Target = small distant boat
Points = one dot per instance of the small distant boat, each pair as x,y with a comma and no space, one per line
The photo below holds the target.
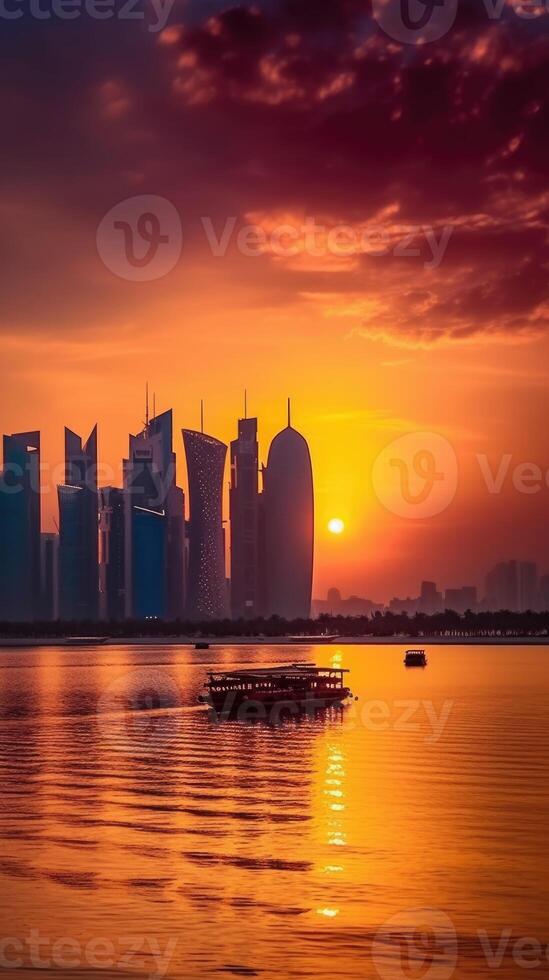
314,638
293,684
202,645
84,641
415,658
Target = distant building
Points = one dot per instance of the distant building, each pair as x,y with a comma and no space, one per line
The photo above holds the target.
544,593
243,505
288,515
206,590
78,530
333,601
512,585
461,600
49,577
20,528
502,587
430,600
354,605
111,554
528,586
408,606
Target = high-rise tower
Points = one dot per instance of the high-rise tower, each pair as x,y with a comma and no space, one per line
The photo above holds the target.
20,527
154,524
78,530
206,592
288,526
244,521
111,554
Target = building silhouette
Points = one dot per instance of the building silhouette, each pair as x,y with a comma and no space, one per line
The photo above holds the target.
430,599
49,576
513,585
287,513
461,600
243,506
111,554
207,591
78,530
20,528
154,524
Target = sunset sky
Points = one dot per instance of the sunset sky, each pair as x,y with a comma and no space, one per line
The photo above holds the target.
270,114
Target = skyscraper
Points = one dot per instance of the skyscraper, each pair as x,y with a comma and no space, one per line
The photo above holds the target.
20,527
528,586
244,520
288,533
154,524
78,530
111,554
430,599
49,579
206,591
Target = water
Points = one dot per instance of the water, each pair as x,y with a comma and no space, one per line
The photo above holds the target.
406,836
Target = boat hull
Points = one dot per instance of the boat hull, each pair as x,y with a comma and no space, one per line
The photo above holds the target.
259,705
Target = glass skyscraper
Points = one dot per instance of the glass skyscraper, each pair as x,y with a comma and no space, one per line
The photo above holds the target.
244,521
78,530
20,528
154,524
207,589
288,527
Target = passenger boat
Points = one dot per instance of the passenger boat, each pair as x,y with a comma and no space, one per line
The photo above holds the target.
415,658
301,685
202,645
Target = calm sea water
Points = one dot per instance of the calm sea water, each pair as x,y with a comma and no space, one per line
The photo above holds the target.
405,836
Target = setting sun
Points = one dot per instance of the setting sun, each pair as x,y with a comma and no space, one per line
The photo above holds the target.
336,525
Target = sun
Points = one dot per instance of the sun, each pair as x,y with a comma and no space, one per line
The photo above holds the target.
336,525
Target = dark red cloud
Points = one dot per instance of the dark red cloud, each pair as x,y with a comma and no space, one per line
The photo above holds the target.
283,107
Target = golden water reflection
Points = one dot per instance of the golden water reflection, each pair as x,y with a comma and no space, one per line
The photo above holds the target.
275,850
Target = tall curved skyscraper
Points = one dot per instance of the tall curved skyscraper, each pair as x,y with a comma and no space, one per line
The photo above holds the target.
78,530
207,591
288,526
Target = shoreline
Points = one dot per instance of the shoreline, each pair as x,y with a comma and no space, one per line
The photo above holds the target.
185,641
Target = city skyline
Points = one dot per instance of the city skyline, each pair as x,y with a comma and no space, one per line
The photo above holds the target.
138,551
160,515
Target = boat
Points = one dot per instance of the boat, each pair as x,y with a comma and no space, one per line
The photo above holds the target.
202,645
415,658
314,638
293,685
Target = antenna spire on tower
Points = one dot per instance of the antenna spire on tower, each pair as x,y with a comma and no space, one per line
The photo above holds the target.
245,403
202,415
146,404
289,414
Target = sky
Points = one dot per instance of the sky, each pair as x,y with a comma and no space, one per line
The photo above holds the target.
347,216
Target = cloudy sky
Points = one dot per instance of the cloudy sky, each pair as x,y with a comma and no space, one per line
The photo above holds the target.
363,227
